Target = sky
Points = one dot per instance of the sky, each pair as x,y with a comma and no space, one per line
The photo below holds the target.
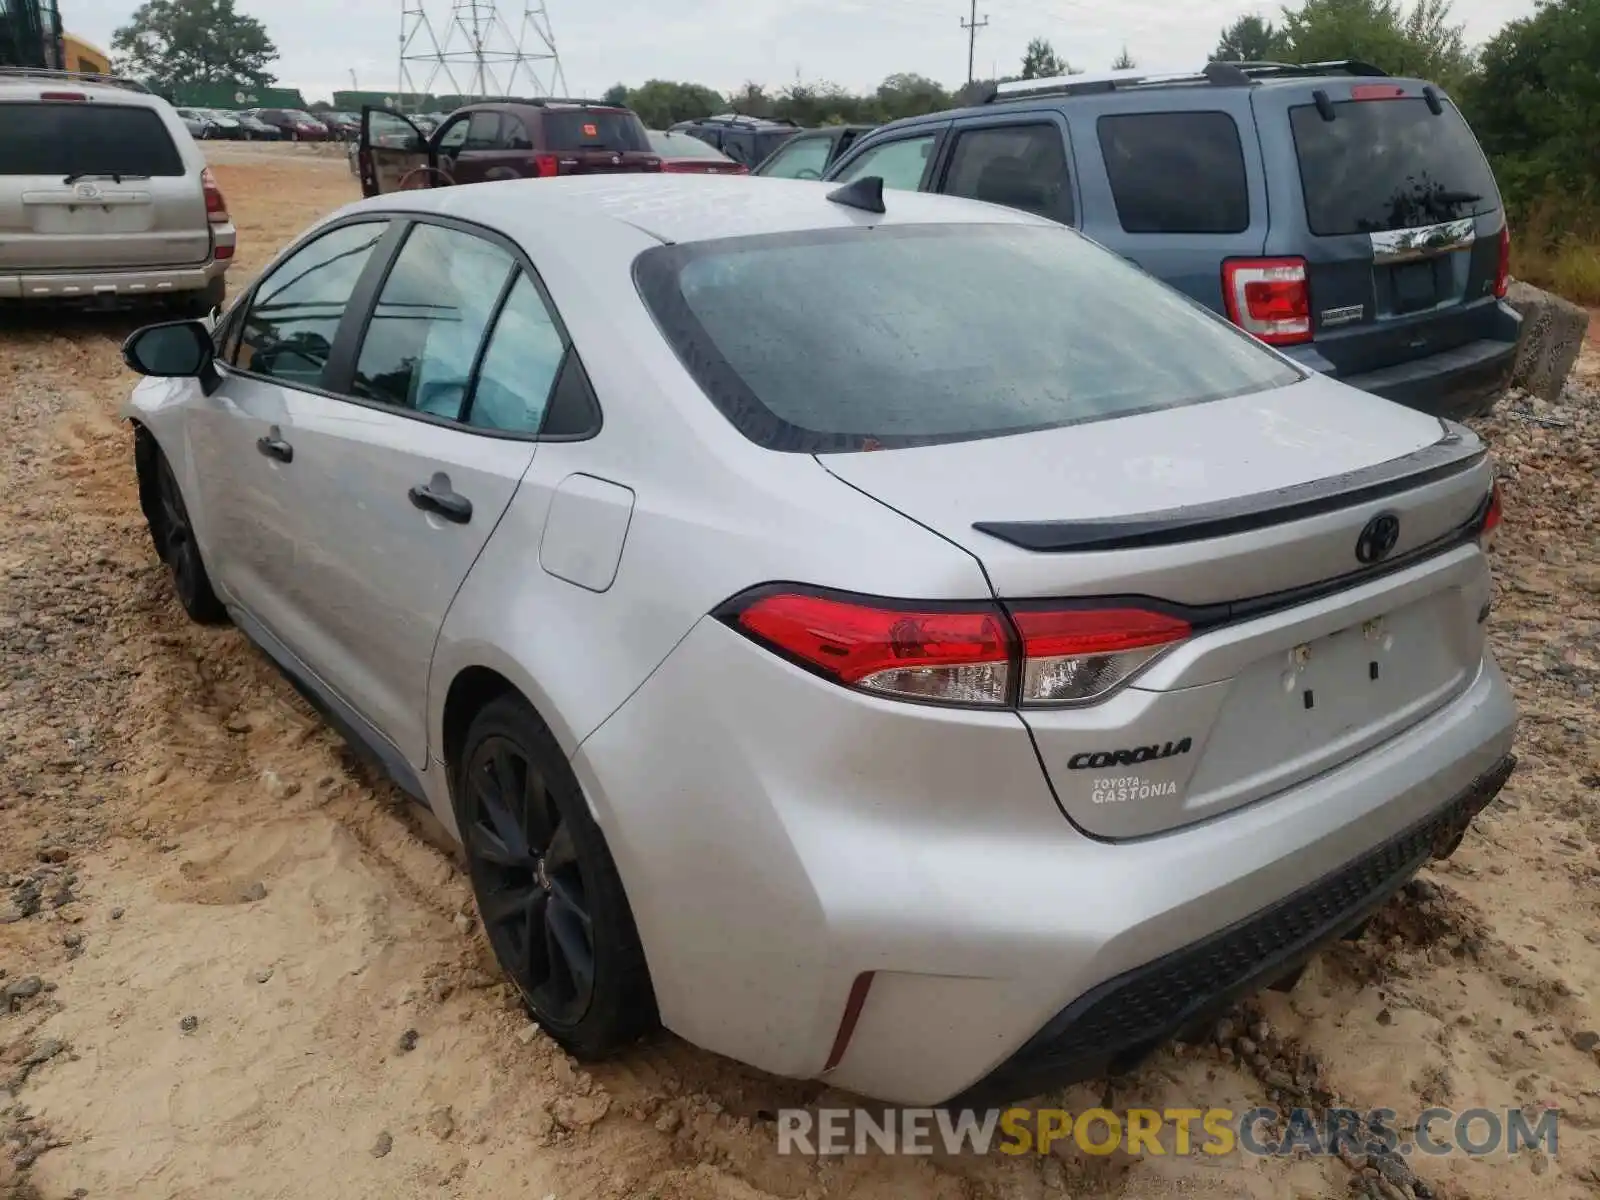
726,43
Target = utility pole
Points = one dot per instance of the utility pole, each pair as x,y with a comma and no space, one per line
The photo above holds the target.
972,26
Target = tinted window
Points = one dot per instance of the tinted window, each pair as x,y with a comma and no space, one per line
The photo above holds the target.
483,131
1020,166
429,320
454,135
519,366
682,145
900,164
295,311
800,158
85,139
768,142
588,129
1180,172
514,134
1389,164
901,335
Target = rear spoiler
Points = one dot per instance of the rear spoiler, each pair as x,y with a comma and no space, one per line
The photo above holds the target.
1456,452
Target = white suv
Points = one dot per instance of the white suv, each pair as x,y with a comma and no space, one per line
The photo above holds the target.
105,196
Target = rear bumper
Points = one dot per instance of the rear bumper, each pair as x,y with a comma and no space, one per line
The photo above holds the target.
120,283
779,838
1111,1027
1456,384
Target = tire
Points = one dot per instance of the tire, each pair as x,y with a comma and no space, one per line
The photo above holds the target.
170,529
547,890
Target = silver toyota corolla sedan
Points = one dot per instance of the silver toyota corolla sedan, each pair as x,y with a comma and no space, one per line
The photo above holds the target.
911,647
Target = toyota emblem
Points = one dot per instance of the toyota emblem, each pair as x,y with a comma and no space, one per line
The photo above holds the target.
87,191
616,160
1378,539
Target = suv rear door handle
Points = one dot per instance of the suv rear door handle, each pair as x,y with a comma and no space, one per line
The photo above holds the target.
275,447
448,504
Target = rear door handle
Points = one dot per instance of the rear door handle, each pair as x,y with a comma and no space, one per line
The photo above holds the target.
448,504
275,447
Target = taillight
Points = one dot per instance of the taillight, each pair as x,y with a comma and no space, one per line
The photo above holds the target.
1489,526
1377,91
739,169
1268,297
1075,655
62,96
216,206
546,166
1502,271
961,654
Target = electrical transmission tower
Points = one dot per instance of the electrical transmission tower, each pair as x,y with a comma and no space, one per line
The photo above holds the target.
479,54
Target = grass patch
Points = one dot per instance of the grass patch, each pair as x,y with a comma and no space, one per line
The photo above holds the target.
1555,244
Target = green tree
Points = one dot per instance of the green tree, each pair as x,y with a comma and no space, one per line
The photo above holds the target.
660,102
909,95
1041,61
1420,41
1124,61
1250,39
174,42
616,94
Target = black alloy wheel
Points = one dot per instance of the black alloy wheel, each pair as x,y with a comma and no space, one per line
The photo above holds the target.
532,891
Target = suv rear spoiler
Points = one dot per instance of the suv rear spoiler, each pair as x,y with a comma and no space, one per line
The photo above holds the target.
44,75
1213,74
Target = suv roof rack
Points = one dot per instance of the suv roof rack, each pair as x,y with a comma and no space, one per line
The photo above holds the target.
541,101
45,75
1213,74
735,118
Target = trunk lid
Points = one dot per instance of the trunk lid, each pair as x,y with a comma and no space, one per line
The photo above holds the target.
87,185
1245,516
597,141
1396,214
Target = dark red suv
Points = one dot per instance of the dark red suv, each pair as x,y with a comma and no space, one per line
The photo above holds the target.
502,139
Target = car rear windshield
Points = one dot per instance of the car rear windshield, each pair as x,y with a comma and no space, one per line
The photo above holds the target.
682,145
74,138
862,339
588,129
1389,164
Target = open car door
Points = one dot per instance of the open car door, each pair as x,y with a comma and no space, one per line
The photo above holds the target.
394,155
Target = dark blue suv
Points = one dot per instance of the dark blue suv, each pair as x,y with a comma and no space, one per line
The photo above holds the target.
1346,217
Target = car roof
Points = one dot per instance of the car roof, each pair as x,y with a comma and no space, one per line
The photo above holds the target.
32,88
683,208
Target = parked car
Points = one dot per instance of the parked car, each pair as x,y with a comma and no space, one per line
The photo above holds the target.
503,139
223,124
809,153
292,124
255,129
681,154
342,125
747,718
105,197
746,140
1344,216
196,122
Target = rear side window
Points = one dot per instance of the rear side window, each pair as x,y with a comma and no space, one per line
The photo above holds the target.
588,129
874,338
74,138
1019,166
1388,164
1176,172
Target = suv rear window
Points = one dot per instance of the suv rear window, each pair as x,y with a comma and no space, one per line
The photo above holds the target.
73,138
586,129
1176,172
1389,164
869,338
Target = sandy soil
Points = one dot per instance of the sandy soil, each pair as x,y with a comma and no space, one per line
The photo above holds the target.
236,965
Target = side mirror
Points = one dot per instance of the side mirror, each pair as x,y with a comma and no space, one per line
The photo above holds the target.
171,350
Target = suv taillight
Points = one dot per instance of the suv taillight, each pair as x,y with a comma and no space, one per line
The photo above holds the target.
975,655
216,206
1502,271
545,166
1268,297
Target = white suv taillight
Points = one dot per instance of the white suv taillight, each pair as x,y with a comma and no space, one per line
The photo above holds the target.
216,206
1268,297
979,655
1489,523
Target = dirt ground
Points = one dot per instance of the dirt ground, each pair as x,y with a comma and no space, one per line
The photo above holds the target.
233,964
